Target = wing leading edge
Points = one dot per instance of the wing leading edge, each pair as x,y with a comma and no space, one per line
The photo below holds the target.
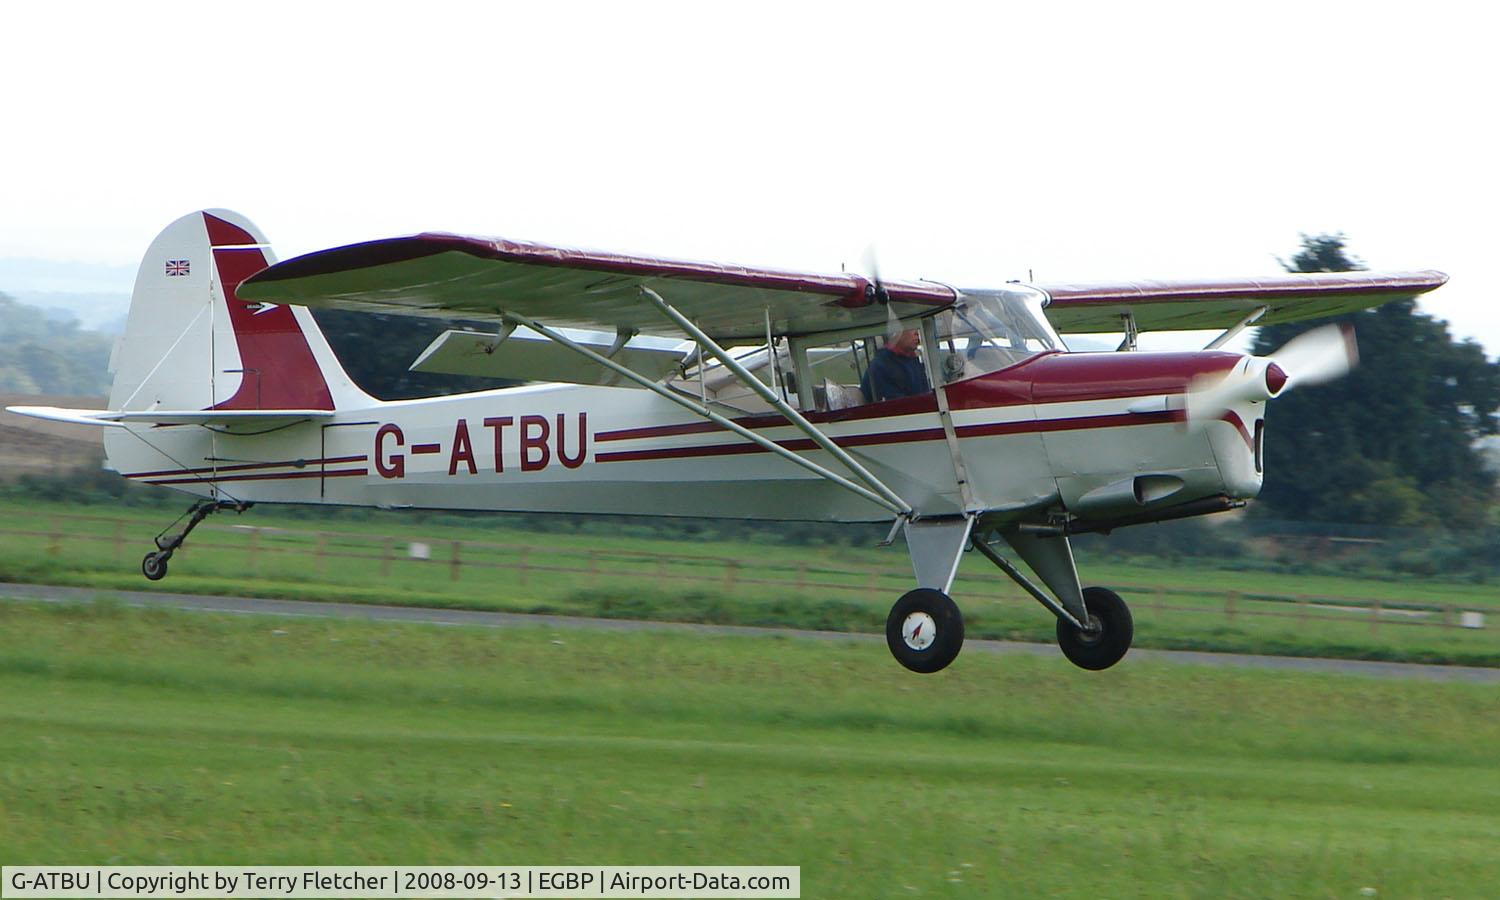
1202,304
446,275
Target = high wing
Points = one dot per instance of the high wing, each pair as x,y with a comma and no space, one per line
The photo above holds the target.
447,275
1195,305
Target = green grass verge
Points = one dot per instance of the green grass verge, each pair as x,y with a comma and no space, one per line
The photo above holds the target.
838,588
135,737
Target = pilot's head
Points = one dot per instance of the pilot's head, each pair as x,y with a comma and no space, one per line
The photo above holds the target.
904,342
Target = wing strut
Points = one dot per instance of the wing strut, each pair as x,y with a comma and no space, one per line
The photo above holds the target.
1237,327
899,509
893,500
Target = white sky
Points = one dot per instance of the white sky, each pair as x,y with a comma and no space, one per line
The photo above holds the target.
1079,141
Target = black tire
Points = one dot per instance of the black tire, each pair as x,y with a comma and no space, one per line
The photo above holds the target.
1103,648
933,651
154,566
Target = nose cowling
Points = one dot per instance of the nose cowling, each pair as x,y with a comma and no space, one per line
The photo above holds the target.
1313,357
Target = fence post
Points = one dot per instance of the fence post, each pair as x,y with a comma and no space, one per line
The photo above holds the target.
55,546
255,550
1375,618
801,576
1229,599
1303,608
453,566
593,567
525,568
119,538
731,569
385,560
321,551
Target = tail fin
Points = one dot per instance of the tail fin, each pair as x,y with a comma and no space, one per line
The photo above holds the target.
191,344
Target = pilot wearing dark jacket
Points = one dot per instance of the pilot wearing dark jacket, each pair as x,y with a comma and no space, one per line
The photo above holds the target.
896,371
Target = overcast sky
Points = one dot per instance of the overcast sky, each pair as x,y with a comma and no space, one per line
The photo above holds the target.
1075,141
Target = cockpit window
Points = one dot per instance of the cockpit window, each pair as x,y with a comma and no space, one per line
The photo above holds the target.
993,329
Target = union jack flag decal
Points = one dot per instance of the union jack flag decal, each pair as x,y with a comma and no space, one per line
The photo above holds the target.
177,267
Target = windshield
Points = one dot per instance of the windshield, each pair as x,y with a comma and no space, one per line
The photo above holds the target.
993,329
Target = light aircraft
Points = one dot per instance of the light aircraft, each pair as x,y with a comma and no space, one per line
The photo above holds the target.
678,388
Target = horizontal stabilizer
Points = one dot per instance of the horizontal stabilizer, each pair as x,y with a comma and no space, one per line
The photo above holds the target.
527,356
222,417
59,414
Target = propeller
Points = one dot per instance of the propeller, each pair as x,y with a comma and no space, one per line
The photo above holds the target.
870,263
1314,357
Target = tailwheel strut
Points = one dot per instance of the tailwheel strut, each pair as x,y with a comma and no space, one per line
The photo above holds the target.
154,564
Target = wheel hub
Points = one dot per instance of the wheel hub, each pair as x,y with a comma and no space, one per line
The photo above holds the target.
919,630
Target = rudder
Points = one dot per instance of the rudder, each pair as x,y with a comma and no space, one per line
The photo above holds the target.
191,344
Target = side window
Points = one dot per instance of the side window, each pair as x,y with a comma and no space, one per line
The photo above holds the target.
867,369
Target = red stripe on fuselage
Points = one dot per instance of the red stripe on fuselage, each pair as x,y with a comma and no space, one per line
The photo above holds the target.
269,476
330,461
857,440
904,406
1045,378
902,437
1233,418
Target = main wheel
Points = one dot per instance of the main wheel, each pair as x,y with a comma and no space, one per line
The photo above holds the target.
1100,649
154,566
925,630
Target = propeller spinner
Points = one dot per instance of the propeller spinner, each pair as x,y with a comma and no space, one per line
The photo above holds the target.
1314,357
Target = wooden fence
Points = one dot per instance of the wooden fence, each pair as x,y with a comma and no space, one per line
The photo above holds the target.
454,557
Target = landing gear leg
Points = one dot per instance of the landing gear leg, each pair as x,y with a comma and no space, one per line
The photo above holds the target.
925,630
154,565
1094,626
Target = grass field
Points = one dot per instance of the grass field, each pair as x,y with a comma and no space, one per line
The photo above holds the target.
136,737
266,553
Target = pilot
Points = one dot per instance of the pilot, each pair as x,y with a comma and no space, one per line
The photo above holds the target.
896,370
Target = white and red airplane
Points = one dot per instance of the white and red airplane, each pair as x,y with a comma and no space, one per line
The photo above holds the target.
697,389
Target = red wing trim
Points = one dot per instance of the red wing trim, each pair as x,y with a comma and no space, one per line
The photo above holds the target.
1320,284
850,290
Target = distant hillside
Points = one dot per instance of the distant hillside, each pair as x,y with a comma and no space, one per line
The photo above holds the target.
40,354
96,294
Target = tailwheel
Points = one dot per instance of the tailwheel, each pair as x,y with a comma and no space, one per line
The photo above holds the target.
925,630
154,566
1108,637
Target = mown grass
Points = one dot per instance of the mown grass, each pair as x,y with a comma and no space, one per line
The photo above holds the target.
136,737
837,588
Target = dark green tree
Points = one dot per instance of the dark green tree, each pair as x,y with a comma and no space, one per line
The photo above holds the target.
1393,443
376,350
